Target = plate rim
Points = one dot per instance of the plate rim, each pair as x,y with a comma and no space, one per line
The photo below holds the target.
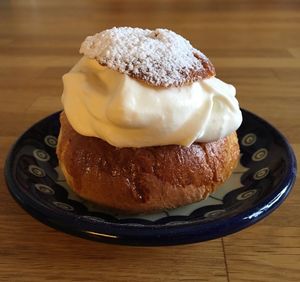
154,235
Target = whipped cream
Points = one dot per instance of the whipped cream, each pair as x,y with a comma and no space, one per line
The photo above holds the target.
125,112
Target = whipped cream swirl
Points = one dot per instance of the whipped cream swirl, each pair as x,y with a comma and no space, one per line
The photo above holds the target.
125,112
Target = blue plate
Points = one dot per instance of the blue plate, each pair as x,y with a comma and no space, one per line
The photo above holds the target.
260,183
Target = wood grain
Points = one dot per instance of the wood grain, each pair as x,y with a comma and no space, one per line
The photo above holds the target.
254,45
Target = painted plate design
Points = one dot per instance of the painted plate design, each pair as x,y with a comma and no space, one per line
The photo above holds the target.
260,183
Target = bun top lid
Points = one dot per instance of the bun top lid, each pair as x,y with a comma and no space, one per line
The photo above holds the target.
158,57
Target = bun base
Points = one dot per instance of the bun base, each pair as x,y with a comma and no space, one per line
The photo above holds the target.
143,180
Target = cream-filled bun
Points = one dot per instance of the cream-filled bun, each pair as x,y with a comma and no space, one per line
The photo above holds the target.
146,124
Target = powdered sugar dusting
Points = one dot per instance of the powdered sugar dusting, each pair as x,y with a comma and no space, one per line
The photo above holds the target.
159,57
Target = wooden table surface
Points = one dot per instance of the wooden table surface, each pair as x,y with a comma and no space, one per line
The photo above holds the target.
254,45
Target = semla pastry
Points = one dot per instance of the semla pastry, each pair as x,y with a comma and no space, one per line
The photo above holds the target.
146,124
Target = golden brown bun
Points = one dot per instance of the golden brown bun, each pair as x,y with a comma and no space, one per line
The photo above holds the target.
157,57
139,180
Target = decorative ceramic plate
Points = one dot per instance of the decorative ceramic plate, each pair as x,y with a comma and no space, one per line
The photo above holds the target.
259,184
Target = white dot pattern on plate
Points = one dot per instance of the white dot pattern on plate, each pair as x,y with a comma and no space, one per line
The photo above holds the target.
214,213
260,155
44,189
41,155
249,139
262,173
246,195
51,141
63,206
36,171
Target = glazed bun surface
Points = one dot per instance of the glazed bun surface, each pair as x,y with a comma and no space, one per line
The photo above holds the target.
141,180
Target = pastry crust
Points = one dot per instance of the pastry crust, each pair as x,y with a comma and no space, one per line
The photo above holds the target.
157,57
140,180
187,76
